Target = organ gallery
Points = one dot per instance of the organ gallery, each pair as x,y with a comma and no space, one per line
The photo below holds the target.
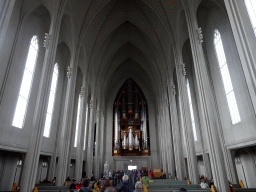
130,129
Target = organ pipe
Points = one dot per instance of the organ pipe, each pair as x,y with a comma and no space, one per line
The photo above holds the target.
130,139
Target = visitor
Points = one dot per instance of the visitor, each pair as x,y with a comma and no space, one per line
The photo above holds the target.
105,186
93,178
145,180
79,185
203,184
138,187
152,174
85,187
97,184
110,175
124,186
73,185
164,175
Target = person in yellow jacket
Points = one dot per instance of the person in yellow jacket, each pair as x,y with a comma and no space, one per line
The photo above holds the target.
145,180
97,185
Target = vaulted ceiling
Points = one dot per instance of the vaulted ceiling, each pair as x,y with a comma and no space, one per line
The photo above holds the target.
125,38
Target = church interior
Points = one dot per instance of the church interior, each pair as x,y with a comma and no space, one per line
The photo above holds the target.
162,84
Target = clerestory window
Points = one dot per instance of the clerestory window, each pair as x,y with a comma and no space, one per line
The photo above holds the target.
228,87
77,120
25,88
251,9
85,125
191,111
48,120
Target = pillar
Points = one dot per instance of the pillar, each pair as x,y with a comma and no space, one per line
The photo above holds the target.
169,133
79,156
37,126
89,154
205,103
178,151
187,123
65,133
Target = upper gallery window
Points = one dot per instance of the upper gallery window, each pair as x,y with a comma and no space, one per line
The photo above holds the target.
251,9
21,107
191,111
77,120
48,120
85,125
230,95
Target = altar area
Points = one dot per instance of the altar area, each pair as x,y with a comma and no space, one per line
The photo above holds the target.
122,162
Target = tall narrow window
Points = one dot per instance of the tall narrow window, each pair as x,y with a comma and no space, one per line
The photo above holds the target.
191,111
251,9
85,125
48,120
77,120
21,107
230,95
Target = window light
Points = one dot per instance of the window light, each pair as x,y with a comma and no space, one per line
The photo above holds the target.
191,111
48,121
228,87
77,120
21,107
251,9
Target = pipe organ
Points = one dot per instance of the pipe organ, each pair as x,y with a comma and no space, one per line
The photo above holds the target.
130,127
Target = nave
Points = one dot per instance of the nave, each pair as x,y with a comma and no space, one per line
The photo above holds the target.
162,84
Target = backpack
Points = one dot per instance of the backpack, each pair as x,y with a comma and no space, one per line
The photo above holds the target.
183,190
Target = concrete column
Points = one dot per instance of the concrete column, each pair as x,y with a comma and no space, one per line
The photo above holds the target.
162,157
165,139
89,162
102,126
189,139
65,133
32,157
80,141
205,102
170,146
245,42
97,149
178,151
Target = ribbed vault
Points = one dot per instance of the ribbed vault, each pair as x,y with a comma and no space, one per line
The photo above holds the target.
127,33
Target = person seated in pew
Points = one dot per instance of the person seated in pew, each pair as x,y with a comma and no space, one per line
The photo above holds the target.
79,185
203,184
45,181
73,185
105,186
85,187
124,186
138,187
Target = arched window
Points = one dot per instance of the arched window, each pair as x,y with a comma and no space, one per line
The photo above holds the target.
87,108
191,111
48,120
21,107
228,87
77,120
251,9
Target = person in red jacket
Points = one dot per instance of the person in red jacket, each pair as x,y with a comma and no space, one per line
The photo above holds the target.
152,174
79,185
